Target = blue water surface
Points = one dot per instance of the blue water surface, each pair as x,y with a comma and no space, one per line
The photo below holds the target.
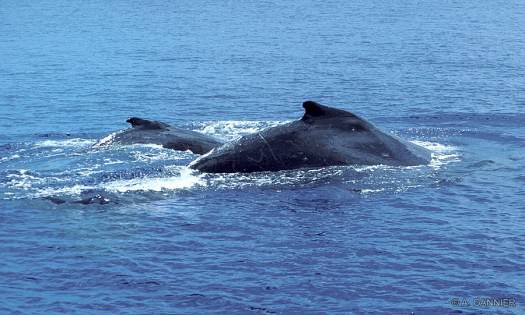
448,75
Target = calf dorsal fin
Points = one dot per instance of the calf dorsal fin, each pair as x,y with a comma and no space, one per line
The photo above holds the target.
146,124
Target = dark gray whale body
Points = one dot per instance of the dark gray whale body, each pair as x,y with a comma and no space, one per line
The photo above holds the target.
324,136
155,132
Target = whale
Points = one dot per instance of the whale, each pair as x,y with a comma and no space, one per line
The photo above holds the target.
144,131
324,136
95,199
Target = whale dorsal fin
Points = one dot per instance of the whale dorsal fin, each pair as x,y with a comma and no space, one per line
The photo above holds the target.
313,109
146,124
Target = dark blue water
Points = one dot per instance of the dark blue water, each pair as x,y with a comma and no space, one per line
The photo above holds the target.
449,75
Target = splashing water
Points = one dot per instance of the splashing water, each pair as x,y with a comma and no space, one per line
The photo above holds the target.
83,166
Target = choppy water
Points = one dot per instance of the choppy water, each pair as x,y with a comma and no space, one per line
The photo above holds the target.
354,240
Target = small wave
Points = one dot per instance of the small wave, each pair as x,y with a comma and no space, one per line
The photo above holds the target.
74,190
371,191
10,158
186,179
112,162
22,179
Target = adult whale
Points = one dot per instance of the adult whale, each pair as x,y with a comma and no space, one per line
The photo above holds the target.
324,136
155,132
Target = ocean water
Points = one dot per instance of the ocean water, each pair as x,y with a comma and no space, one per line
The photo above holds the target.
435,239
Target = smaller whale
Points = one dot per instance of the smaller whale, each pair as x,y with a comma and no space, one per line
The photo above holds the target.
87,200
96,199
324,136
144,131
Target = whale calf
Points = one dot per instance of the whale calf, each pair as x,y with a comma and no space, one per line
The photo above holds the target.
324,136
145,131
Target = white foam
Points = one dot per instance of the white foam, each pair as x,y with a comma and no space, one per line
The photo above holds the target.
112,162
441,154
232,129
161,155
71,190
109,139
88,171
148,145
185,180
22,180
435,146
75,142
365,168
106,140
370,191
10,158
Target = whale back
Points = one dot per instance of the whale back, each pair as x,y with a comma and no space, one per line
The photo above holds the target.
357,141
324,136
